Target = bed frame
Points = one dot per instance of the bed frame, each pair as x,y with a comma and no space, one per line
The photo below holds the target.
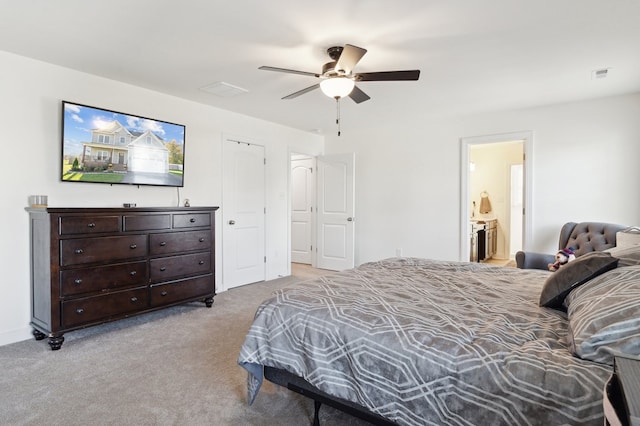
301,386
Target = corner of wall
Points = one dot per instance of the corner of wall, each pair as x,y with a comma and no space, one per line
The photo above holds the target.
15,336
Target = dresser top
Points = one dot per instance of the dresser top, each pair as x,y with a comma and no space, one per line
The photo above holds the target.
112,210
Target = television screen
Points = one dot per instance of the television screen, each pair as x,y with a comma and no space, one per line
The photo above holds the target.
104,146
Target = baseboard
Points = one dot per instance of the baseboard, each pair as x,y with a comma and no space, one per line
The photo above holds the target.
14,336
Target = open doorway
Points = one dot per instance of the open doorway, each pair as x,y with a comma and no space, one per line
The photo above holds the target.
303,196
322,206
495,190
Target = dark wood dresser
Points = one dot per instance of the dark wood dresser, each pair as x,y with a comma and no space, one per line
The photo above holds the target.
94,265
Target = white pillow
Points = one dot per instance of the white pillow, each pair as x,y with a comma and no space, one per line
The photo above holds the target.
629,237
628,256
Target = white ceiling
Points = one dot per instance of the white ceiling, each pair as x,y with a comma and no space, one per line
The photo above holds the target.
473,55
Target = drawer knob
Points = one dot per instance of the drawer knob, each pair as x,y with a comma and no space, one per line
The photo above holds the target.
163,268
79,311
91,225
163,293
133,246
201,262
192,220
78,251
201,240
134,299
78,281
162,244
133,273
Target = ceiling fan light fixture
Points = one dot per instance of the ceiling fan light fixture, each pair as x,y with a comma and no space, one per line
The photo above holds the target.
337,87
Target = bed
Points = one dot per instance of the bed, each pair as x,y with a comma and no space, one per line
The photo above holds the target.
412,341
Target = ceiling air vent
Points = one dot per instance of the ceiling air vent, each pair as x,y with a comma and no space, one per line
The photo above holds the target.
224,90
601,73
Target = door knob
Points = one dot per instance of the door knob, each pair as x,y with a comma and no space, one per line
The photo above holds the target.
232,222
349,219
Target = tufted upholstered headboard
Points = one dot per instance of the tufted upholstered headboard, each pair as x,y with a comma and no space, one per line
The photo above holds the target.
585,237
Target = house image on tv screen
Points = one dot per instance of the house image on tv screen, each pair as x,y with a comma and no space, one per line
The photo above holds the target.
125,150
104,146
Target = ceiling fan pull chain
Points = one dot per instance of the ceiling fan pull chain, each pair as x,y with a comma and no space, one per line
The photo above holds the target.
338,114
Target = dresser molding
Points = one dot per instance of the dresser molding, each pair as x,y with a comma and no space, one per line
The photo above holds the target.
90,266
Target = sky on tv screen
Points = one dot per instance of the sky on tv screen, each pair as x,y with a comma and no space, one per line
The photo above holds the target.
79,120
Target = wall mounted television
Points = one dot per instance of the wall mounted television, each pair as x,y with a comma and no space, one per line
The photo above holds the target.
105,146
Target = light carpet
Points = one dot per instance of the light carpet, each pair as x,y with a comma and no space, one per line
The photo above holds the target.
176,366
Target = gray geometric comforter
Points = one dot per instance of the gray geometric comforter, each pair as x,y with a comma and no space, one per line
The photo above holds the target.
425,342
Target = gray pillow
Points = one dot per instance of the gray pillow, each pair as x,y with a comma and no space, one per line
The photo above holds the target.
574,274
604,316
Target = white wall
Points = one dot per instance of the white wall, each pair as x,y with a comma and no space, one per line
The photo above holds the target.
585,157
31,118
407,172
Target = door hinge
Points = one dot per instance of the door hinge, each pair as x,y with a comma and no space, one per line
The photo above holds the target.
311,209
265,161
265,259
265,210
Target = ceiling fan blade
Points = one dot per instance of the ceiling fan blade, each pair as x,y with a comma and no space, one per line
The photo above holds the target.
358,95
389,75
302,92
312,74
349,57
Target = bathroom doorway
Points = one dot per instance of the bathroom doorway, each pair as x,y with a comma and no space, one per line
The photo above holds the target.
494,172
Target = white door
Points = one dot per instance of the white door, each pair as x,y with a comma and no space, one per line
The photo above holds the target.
243,213
516,189
336,212
302,201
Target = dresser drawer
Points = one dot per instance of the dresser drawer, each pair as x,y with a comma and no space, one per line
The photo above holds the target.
175,242
191,220
162,294
88,280
91,309
146,222
99,249
165,268
71,225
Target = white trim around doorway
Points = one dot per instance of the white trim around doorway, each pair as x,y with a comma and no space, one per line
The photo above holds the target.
465,143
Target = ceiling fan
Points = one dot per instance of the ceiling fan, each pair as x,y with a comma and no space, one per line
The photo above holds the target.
338,80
